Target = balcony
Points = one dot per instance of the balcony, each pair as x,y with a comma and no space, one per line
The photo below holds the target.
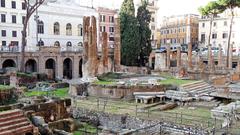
9,49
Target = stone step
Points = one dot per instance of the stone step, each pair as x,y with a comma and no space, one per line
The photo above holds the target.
9,113
198,87
14,126
13,121
195,85
189,84
18,131
7,118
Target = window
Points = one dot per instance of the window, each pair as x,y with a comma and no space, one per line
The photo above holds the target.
2,3
57,43
14,19
4,43
102,29
214,24
23,19
102,18
203,25
40,27
80,44
225,23
111,29
14,33
111,38
80,30
111,19
56,28
225,35
69,43
153,19
3,18
214,36
23,6
203,38
4,33
14,4
69,29
40,43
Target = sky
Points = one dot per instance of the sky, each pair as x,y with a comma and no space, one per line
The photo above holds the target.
166,7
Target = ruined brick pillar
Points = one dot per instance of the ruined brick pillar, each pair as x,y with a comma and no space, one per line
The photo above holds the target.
230,56
86,23
90,59
117,46
168,57
190,56
220,58
210,58
179,57
105,51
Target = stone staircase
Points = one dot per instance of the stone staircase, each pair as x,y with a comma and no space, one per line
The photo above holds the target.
197,89
14,123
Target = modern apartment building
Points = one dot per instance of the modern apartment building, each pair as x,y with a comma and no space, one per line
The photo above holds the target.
179,30
153,8
12,15
107,24
220,32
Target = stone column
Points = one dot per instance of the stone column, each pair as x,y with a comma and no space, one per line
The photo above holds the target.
230,56
1,62
179,57
59,67
117,46
76,61
210,57
190,56
41,64
105,51
168,56
220,56
238,67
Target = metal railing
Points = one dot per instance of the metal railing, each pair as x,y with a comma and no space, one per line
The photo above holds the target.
9,49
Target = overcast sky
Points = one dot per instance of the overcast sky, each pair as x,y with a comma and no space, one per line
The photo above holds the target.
166,7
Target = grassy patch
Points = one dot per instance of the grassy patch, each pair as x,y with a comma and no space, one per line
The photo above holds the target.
63,92
109,76
86,128
104,82
20,74
5,87
200,112
177,82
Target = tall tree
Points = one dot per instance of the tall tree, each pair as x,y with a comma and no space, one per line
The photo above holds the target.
229,5
144,18
31,6
129,34
211,10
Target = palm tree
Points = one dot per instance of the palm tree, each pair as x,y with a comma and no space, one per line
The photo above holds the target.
229,5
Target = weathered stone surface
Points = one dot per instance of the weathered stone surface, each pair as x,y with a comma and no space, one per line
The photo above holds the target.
117,47
190,66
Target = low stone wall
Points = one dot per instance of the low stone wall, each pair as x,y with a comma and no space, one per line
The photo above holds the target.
50,111
137,70
116,123
64,124
122,91
60,85
7,95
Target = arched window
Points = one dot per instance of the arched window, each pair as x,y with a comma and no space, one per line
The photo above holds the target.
80,44
56,28
40,27
80,30
57,43
40,43
69,43
69,29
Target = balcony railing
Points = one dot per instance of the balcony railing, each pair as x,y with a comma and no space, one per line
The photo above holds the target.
9,49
